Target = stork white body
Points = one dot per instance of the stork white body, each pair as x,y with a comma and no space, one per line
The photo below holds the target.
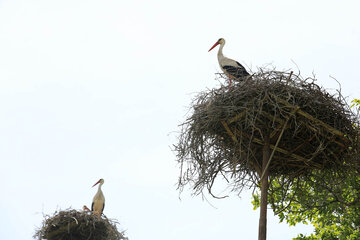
98,202
232,68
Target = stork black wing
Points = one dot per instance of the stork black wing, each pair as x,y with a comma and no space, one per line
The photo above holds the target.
92,206
238,72
102,210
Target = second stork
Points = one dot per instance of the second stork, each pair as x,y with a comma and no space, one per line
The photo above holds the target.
233,69
98,203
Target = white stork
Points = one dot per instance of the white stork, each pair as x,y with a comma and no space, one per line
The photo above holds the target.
230,67
98,203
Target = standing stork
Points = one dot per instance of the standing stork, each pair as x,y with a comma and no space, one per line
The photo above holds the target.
231,68
98,202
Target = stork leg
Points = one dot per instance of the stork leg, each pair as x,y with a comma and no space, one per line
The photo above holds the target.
229,82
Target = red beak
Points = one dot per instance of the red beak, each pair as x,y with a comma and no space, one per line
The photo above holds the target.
96,183
213,46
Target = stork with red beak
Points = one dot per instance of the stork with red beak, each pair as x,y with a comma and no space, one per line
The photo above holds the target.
233,69
98,203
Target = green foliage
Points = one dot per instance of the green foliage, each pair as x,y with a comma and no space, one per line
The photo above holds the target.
355,102
328,201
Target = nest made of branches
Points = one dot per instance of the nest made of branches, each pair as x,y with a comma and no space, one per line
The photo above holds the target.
308,128
78,225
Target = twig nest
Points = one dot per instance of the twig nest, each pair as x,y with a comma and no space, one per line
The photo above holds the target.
78,225
308,128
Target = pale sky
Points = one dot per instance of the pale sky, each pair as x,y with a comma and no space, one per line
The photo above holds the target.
96,89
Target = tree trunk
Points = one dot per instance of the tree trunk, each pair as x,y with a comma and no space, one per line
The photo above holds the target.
264,190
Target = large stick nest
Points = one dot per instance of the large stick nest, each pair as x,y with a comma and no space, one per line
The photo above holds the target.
78,225
308,128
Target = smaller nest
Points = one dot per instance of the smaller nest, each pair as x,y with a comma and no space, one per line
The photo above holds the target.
78,225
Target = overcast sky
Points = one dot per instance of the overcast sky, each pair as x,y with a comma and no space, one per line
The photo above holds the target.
96,89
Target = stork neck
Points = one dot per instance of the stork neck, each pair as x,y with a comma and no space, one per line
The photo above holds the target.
220,52
99,188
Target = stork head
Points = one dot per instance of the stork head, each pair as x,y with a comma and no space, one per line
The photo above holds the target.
101,181
221,41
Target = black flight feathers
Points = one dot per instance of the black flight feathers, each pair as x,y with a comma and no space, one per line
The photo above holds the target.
238,72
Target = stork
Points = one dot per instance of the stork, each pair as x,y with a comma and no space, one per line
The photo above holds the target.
85,208
230,67
98,202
